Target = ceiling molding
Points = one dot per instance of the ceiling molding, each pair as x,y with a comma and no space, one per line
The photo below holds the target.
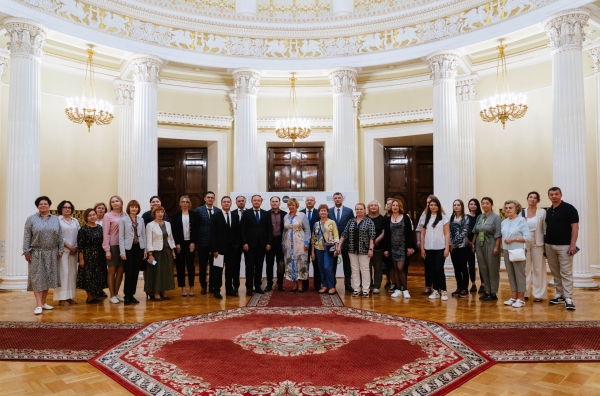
223,122
315,122
398,117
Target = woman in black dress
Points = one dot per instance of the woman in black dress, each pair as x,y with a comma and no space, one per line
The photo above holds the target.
92,273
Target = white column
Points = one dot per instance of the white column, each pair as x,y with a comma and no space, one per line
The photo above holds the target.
246,7
125,96
23,158
595,54
342,7
445,128
343,84
245,139
569,171
143,155
4,59
465,94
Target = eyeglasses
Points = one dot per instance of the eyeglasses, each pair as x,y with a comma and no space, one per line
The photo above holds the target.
67,207
186,202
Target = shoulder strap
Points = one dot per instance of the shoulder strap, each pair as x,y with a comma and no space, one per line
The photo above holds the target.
524,213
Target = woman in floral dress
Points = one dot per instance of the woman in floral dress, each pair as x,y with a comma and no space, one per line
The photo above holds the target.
296,239
92,275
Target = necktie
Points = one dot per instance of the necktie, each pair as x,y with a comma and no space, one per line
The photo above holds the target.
309,215
209,212
256,215
228,222
338,216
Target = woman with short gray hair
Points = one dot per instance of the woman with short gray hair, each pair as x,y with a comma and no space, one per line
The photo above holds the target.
515,234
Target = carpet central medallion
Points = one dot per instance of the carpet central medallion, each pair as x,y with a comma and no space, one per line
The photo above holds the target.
291,341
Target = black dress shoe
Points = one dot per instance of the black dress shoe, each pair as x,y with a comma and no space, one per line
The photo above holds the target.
203,291
490,297
94,301
249,293
126,301
349,289
483,296
280,288
259,291
230,293
269,289
218,295
101,294
134,300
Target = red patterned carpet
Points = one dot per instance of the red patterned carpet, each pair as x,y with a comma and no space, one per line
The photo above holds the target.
60,341
533,341
299,351
308,298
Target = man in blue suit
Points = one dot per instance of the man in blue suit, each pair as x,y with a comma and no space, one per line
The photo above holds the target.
341,215
205,256
313,217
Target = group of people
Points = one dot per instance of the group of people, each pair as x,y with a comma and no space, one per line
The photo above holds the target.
116,243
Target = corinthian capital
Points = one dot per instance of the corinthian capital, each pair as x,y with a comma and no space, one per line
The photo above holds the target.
146,68
4,58
565,28
443,65
125,91
26,37
343,79
465,87
246,80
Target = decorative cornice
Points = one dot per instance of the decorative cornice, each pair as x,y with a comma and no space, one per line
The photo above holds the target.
146,68
398,117
4,58
195,120
565,29
343,79
125,92
465,88
246,81
443,65
26,37
315,122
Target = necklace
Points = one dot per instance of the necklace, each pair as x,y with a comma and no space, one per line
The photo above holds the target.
395,217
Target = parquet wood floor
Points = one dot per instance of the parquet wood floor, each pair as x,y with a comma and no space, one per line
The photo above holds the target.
42,378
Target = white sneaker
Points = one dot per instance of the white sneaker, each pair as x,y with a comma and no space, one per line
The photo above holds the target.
48,307
120,298
114,300
510,302
375,291
397,293
518,303
406,294
444,295
38,311
434,295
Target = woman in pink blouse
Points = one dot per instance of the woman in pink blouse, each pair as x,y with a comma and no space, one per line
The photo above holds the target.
110,244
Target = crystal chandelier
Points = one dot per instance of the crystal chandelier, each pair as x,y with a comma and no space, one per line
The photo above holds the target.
507,106
293,127
87,108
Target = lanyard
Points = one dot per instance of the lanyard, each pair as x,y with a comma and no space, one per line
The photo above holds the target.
481,235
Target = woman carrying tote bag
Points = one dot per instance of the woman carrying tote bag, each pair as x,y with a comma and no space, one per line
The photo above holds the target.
515,234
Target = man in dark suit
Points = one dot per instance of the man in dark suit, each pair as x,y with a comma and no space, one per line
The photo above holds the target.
224,241
341,215
240,203
205,256
313,217
255,236
276,252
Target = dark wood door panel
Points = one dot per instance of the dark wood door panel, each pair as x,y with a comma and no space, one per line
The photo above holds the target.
295,169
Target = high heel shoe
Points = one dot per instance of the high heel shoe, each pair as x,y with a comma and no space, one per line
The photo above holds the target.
149,296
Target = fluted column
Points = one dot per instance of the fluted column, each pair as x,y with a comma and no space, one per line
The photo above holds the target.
465,94
342,7
246,7
595,54
565,30
26,39
445,127
245,139
125,96
144,142
343,84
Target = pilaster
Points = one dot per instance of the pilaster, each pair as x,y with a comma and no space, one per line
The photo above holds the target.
125,96
465,95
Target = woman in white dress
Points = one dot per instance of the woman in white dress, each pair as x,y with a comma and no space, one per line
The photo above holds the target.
65,294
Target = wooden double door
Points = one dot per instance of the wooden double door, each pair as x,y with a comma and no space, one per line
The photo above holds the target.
409,177
295,169
181,171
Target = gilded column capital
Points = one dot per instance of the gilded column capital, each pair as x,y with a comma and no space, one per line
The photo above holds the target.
125,92
26,37
4,58
565,28
343,79
443,65
465,87
246,80
146,68
595,54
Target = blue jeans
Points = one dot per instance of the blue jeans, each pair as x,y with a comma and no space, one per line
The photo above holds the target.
326,268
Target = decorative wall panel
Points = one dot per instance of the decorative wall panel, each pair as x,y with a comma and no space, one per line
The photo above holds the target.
294,9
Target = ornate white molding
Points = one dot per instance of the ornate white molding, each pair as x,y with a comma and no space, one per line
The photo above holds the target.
246,81
296,9
195,120
398,117
565,28
465,87
125,92
593,52
4,58
233,101
343,79
315,122
146,68
26,37
356,96
443,65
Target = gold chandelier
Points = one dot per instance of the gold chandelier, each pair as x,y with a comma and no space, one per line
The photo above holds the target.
87,108
506,106
293,127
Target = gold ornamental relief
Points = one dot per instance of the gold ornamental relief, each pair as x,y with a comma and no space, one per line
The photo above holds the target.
294,9
284,48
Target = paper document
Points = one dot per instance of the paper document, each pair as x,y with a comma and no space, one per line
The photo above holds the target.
218,262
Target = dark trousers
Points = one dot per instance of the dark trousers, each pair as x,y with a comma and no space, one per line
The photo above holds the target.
216,276
347,268
316,271
434,263
254,264
232,270
375,267
461,267
131,268
471,263
275,255
185,259
205,259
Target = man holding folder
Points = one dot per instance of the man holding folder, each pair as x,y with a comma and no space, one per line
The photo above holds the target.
224,243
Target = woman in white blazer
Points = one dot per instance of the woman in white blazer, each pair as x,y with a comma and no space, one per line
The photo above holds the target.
160,245
132,248
535,269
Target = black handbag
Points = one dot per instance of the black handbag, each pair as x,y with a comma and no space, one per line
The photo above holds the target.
329,247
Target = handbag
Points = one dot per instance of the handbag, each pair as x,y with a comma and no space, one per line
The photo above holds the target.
516,255
329,247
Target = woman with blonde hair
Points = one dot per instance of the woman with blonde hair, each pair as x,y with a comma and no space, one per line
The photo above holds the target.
160,246
100,209
376,263
399,244
110,244
295,241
